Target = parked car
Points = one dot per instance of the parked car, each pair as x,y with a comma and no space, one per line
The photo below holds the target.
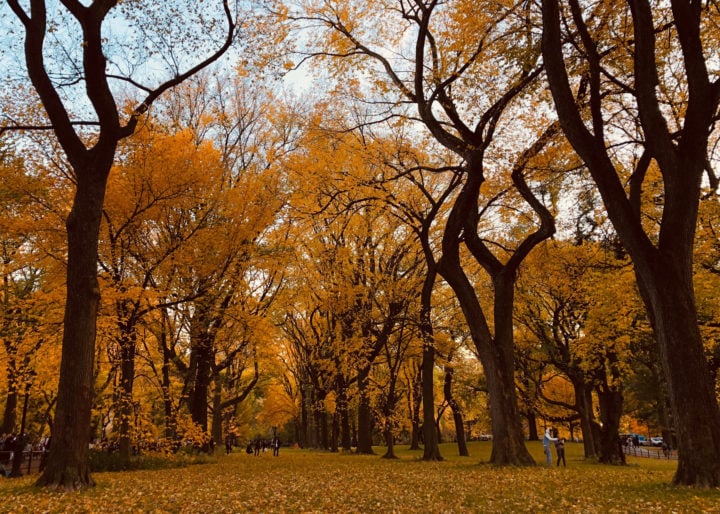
632,439
656,441
486,437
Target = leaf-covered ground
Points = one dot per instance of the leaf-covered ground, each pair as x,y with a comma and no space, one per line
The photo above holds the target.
302,481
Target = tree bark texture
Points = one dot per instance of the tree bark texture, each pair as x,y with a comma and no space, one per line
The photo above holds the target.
68,464
456,412
431,448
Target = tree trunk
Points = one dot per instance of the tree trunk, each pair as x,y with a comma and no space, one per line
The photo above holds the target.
496,353
170,421
611,404
335,432
583,403
431,448
415,399
125,405
389,440
201,355
456,413
68,464
692,396
532,426
10,413
321,421
343,412
365,421
307,423
217,412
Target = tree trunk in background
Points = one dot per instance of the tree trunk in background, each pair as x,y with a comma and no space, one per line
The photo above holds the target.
532,426
431,440
216,429
126,410
365,421
335,432
583,402
10,413
389,441
170,421
456,413
415,403
307,422
342,409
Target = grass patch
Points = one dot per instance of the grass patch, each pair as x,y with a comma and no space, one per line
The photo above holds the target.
304,481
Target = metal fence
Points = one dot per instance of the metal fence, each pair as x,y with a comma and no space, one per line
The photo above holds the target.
31,461
650,452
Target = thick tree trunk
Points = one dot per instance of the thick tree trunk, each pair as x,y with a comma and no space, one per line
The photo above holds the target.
496,355
216,429
306,419
508,438
692,396
496,352
68,465
611,405
201,355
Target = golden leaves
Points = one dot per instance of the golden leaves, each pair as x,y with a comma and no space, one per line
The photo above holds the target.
298,481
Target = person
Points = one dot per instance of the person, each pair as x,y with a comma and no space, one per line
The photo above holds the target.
560,450
666,450
275,447
547,439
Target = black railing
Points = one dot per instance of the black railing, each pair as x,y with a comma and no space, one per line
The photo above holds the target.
651,452
31,461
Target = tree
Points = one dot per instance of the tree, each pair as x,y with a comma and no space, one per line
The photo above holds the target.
620,66
91,159
25,306
582,315
447,79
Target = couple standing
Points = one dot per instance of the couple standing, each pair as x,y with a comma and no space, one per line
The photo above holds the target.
551,437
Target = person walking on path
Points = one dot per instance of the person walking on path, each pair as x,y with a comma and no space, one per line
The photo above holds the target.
547,439
560,449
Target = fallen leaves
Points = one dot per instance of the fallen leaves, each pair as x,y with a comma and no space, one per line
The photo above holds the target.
303,481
